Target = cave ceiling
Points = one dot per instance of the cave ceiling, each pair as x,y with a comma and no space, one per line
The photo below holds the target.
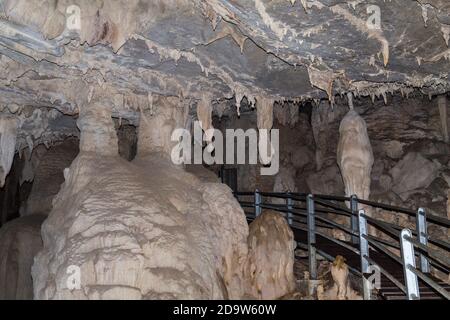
221,49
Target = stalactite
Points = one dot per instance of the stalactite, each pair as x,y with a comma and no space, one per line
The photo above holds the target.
269,268
157,124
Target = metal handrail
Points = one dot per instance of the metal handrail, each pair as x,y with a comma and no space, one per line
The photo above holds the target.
430,281
387,274
410,270
304,218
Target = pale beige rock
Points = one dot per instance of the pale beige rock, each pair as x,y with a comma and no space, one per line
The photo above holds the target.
264,109
269,269
145,229
355,156
448,212
301,157
20,241
8,135
341,289
48,176
413,172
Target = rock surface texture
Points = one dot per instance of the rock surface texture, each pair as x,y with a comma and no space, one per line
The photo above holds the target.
121,75
147,229
270,267
355,156
20,241
48,176
261,50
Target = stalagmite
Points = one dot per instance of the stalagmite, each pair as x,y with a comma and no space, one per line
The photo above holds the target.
8,134
269,268
341,289
354,155
442,105
140,230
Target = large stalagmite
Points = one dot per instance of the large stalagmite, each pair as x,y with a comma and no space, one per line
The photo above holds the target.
354,155
270,267
146,229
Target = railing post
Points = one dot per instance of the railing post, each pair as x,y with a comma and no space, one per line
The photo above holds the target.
364,252
409,260
354,218
257,203
289,204
311,237
422,235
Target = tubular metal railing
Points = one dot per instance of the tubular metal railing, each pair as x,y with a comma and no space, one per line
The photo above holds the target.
307,212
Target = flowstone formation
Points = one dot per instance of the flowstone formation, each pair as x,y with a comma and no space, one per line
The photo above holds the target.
355,158
270,267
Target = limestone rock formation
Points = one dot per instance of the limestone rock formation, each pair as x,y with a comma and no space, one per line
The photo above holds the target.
341,288
326,181
270,266
115,221
448,208
413,172
153,66
284,182
354,155
20,241
48,177
8,134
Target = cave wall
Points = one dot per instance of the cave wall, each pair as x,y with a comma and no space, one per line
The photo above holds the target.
47,175
411,158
